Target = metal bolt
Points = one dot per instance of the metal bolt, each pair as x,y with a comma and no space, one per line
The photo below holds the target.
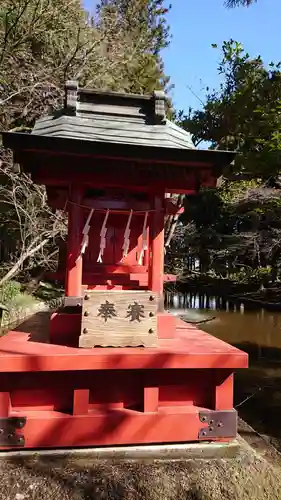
86,297
151,314
1,431
211,422
21,424
203,419
211,429
220,424
10,436
204,433
151,298
150,330
86,313
85,330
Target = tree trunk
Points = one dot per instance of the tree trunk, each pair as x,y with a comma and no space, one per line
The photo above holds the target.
27,254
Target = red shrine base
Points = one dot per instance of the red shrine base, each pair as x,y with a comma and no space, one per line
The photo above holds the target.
63,396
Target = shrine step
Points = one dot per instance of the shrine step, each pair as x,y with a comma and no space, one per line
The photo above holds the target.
176,451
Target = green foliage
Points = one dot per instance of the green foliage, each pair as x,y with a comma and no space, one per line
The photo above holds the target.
43,43
140,28
249,275
233,232
233,190
9,291
244,114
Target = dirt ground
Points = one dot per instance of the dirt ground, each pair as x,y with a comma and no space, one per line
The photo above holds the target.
254,474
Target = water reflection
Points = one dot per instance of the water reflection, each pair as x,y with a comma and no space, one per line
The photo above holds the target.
256,330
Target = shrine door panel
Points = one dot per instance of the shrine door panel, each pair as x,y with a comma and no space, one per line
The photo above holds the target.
113,252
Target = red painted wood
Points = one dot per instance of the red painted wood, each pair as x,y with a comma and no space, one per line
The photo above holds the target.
80,391
156,271
166,326
81,401
115,159
113,253
223,389
119,206
20,336
192,348
65,329
109,396
150,399
181,182
88,181
87,277
104,269
5,404
116,427
74,262
116,404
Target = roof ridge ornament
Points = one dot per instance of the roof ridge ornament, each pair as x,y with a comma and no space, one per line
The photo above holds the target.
160,106
71,96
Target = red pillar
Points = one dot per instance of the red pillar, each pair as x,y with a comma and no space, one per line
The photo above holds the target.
156,245
5,404
81,401
73,286
223,397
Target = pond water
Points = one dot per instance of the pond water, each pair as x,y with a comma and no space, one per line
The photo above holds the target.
257,331
257,389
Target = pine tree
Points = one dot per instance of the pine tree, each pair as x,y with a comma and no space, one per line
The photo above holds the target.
134,33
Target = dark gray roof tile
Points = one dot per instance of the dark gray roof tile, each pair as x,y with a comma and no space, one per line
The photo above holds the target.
114,118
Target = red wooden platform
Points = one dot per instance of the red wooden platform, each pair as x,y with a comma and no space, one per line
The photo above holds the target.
99,397
192,348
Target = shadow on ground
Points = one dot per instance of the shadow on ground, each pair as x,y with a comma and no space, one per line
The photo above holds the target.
246,477
82,480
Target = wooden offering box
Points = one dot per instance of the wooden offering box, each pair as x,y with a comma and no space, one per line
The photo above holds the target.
119,319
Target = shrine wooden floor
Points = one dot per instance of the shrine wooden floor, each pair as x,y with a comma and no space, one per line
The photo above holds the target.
191,348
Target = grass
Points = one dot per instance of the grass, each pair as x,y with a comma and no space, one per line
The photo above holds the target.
17,300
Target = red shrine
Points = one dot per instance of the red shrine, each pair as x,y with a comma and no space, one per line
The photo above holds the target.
117,369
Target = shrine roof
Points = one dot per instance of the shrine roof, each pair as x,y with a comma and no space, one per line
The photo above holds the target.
114,118
113,126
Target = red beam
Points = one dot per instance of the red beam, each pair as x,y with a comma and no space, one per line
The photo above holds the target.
47,429
188,164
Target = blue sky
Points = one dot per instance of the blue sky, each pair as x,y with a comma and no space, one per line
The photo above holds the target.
196,24
191,61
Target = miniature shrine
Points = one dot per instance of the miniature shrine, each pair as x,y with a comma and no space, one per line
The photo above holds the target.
117,369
